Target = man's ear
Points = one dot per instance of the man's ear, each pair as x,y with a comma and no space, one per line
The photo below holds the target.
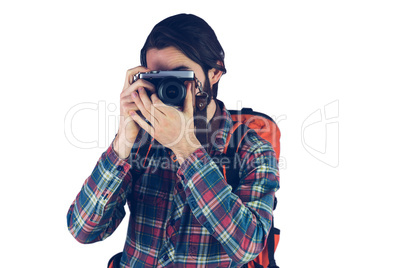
214,75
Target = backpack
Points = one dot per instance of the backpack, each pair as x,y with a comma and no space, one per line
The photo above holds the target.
244,121
266,128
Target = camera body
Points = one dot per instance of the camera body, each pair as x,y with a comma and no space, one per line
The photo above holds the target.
169,85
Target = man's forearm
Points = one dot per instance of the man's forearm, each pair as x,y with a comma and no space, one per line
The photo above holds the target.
99,206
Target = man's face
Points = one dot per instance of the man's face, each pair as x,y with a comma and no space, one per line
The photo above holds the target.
172,59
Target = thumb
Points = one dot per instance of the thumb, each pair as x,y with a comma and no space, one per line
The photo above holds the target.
188,101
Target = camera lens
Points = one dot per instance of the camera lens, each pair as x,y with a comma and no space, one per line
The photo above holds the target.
171,91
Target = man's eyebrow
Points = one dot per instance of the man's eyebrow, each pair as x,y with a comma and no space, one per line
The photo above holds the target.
181,68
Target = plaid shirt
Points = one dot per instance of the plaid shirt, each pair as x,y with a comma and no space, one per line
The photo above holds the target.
181,216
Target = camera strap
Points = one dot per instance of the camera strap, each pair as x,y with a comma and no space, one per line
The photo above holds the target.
200,117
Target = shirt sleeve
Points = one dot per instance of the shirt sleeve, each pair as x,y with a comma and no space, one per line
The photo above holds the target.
99,207
240,221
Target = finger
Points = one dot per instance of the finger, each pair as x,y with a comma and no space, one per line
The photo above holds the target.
131,73
163,110
144,104
142,123
188,101
130,106
126,97
158,104
135,86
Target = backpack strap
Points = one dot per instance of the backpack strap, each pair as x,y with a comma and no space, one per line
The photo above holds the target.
233,144
273,239
114,262
140,157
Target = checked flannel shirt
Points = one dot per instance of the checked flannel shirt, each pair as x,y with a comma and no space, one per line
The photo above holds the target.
181,216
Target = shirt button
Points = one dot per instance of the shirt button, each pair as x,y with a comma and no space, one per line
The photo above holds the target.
180,185
120,168
193,203
166,257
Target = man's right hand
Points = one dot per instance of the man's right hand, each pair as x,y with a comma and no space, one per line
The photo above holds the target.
128,128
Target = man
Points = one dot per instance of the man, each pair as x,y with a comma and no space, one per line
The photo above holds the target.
183,213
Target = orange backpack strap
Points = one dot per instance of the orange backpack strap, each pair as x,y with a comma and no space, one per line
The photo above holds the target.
140,157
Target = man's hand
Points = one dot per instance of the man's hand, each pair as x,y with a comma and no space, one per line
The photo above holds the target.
169,126
128,129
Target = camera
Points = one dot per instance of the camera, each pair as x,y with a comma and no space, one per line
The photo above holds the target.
169,85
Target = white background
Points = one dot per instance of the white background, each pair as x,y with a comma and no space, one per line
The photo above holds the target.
338,207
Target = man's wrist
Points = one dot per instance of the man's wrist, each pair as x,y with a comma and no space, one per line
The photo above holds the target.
183,153
121,147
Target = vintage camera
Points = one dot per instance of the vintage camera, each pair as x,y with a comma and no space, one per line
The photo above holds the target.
169,85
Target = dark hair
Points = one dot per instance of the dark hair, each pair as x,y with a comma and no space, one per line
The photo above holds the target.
193,37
